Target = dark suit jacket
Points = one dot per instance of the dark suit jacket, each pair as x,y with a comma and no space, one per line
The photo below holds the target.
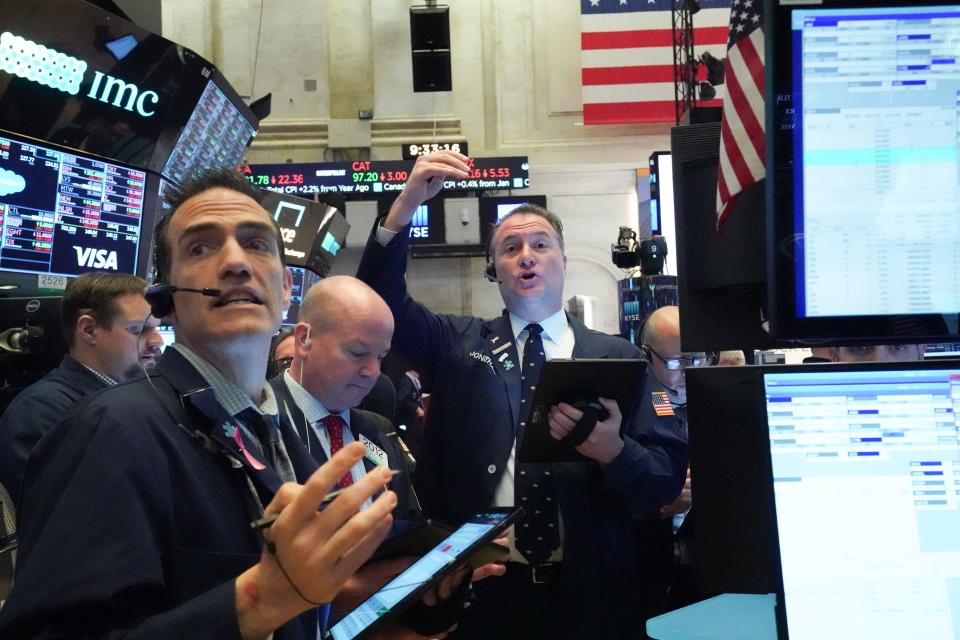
362,423
409,399
135,518
471,429
37,410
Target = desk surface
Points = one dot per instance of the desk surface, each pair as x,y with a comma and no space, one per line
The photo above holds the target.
731,616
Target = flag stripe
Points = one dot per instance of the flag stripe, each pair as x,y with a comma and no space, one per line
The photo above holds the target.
640,57
742,119
620,112
647,38
647,19
624,75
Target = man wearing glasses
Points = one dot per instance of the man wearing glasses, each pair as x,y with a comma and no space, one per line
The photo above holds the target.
664,399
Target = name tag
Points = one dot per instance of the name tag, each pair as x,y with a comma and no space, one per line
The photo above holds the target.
374,454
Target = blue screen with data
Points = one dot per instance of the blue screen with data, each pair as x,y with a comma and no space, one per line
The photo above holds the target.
876,164
866,477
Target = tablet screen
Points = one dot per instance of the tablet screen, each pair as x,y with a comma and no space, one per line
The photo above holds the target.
403,589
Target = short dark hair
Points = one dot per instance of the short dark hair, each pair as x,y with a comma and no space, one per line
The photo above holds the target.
213,179
93,294
530,209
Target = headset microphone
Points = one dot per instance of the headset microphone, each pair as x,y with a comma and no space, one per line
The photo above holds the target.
160,297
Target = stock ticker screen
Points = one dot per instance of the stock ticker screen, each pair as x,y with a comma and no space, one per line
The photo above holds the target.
64,213
378,177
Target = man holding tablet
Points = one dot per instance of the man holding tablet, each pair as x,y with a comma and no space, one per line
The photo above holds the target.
573,572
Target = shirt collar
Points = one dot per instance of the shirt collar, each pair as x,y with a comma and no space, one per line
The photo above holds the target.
313,410
231,397
105,379
553,326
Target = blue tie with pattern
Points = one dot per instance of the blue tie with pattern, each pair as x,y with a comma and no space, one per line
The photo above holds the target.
537,533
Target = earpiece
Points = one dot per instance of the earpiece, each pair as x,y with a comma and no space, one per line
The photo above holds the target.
306,338
490,270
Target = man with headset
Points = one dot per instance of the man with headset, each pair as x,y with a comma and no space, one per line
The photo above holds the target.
141,504
110,339
573,574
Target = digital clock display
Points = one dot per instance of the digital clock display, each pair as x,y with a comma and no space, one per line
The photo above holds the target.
412,150
374,178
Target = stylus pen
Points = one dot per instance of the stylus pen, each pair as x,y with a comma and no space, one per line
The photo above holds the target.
266,521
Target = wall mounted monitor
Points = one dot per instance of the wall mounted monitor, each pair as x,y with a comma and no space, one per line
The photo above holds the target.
65,213
75,75
493,209
862,149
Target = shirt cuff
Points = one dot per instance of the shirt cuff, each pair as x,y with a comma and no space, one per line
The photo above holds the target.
383,235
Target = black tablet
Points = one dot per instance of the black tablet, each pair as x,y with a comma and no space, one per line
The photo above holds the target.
423,536
576,380
406,589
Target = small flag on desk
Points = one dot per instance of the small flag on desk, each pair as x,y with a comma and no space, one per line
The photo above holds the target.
661,403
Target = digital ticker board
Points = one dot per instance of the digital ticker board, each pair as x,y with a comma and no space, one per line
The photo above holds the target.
377,177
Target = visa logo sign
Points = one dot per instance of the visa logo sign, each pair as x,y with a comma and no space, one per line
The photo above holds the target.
96,258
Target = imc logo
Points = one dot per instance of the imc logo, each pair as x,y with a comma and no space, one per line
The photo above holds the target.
57,70
96,258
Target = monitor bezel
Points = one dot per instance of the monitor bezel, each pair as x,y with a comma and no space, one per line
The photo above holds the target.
786,326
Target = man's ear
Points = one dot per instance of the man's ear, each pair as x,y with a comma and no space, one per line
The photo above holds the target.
86,329
301,339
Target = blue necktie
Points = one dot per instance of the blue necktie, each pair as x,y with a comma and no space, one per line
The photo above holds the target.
537,533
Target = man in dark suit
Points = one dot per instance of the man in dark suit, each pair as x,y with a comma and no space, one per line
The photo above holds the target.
343,333
136,513
110,338
574,571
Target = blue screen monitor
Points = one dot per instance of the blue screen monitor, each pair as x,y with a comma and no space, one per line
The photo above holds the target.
861,139
865,484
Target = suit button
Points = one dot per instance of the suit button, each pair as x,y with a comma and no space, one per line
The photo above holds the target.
492,468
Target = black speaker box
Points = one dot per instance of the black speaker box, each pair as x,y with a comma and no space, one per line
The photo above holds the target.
431,71
429,28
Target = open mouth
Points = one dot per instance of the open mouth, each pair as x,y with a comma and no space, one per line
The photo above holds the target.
237,297
528,276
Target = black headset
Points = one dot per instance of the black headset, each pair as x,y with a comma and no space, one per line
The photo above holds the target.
490,269
160,294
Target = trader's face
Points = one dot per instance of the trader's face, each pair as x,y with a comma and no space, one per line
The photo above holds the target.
342,363
664,348
223,239
880,353
132,342
531,266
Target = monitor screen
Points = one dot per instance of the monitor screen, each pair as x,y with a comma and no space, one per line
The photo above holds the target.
866,501
76,75
864,153
302,281
493,209
66,213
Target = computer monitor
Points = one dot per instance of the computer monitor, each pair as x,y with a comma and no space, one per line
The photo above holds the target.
78,76
65,213
864,462
302,281
862,152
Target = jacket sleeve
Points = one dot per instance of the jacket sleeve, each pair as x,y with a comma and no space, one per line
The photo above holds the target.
93,548
651,468
421,336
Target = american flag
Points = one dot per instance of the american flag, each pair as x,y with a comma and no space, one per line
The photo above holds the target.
626,54
661,403
742,130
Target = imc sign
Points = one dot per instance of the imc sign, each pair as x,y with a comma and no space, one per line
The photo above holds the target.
59,71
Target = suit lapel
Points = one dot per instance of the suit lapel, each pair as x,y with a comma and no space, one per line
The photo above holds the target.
503,352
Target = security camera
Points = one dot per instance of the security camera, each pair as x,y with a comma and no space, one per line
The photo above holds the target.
464,217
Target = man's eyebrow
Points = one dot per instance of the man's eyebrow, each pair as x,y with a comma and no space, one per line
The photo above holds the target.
204,227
